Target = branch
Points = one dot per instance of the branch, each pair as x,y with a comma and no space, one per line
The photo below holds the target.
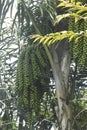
38,31
78,115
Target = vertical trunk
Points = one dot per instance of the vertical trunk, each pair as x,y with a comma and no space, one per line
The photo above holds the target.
61,59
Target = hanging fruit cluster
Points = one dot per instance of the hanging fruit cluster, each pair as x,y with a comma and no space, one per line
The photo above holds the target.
32,80
79,48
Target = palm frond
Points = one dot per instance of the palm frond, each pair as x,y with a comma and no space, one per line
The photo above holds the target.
52,38
5,6
68,15
76,10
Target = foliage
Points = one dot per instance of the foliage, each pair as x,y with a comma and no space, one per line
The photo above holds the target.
79,104
8,52
52,38
33,98
31,80
77,31
77,38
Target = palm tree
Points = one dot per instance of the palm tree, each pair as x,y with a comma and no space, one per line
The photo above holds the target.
61,59
30,20
26,19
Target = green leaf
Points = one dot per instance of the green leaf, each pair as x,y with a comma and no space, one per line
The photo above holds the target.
71,38
60,17
42,39
37,39
47,39
77,39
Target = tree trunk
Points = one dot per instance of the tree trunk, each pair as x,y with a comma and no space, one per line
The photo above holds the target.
61,60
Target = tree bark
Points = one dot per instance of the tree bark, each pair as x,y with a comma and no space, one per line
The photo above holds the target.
61,60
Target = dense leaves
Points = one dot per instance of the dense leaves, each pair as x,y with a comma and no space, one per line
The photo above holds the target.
33,99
